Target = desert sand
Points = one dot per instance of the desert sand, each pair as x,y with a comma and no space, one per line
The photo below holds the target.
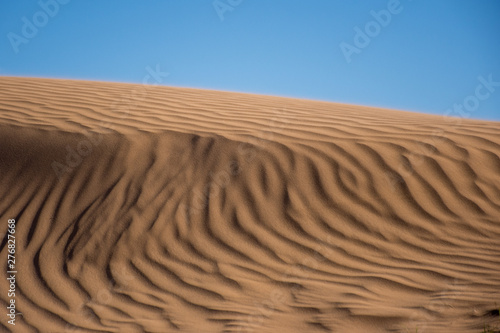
157,209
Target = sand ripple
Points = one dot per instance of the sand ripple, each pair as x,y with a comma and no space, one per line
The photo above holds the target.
153,209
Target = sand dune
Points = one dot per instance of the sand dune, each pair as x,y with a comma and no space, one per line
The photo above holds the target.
155,209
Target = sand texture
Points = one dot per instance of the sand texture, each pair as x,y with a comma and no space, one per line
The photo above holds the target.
156,209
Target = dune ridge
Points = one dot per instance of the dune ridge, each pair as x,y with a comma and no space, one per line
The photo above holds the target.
158,209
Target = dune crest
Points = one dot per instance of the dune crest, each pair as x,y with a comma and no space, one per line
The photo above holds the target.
157,209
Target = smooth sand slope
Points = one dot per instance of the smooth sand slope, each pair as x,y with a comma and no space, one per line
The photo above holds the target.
154,209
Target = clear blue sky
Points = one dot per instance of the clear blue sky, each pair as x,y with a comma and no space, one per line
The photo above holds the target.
427,58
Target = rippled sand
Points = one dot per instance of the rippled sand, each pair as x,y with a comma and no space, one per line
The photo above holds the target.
155,209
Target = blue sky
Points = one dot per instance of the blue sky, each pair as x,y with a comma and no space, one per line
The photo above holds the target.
430,56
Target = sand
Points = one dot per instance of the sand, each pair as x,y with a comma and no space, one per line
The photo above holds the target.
157,209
